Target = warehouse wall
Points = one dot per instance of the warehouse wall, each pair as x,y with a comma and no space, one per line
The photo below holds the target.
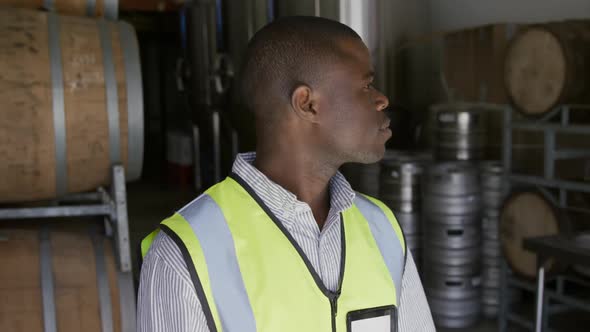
459,14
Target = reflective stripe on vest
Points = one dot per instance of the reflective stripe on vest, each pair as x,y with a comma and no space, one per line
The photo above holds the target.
229,293
383,231
253,276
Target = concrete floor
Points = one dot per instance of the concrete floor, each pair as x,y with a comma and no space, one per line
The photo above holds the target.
149,204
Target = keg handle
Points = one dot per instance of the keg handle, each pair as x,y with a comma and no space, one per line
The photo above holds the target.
455,232
454,283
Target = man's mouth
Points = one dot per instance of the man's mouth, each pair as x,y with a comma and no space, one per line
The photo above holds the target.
385,125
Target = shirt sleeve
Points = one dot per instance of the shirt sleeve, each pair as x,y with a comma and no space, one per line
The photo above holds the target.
167,300
414,312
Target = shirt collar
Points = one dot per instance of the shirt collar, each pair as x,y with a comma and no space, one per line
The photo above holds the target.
283,202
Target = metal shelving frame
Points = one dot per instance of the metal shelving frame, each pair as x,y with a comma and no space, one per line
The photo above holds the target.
550,125
112,206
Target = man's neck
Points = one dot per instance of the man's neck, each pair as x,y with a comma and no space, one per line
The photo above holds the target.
302,174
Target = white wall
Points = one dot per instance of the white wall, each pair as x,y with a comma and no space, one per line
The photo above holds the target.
458,14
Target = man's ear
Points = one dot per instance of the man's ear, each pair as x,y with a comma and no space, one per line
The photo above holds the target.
304,103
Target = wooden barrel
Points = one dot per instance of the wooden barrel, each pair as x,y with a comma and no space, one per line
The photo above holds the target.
548,65
92,8
77,260
70,104
528,213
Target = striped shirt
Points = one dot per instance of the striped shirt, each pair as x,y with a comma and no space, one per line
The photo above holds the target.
167,298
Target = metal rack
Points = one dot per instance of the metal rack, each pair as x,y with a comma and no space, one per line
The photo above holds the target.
555,299
112,206
551,153
553,123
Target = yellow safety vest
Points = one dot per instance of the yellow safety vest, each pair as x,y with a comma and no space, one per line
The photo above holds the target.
250,275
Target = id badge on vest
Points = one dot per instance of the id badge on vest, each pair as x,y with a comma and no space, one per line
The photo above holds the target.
382,319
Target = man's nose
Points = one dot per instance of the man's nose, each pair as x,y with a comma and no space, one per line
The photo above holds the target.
382,102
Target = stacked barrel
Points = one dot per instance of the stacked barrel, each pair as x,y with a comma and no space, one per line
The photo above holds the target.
71,107
492,190
400,189
452,247
452,216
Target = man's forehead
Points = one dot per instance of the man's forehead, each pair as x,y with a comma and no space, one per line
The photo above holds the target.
354,47
354,55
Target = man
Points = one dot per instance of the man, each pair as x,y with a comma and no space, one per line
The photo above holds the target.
284,243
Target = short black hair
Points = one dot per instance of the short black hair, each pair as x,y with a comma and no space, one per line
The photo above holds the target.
286,53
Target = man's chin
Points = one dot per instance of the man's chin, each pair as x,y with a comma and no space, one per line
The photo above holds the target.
370,157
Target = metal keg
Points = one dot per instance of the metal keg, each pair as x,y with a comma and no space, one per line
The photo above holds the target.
492,184
490,296
491,213
447,219
456,314
409,207
451,188
491,277
400,182
492,174
491,260
454,301
452,257
491,249
405,156
452,242
400,189
400,177
490,299
491,199
452,287
453,205
492,191
452,179
440,268
460,133
490,228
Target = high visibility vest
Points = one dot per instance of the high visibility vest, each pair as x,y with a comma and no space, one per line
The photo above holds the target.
250,275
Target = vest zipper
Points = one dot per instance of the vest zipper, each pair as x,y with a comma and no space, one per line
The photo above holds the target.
333,297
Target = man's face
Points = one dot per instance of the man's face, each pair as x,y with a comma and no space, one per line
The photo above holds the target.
354,127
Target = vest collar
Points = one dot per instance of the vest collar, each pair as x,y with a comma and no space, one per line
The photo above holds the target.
282,202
